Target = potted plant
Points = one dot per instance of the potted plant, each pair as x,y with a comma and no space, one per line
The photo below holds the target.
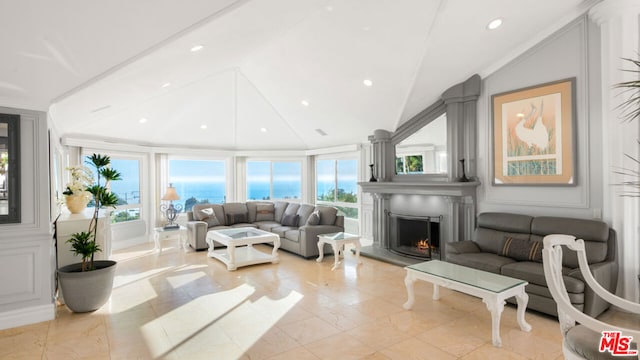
86,286
76,196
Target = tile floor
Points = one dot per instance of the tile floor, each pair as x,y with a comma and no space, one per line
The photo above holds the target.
183,305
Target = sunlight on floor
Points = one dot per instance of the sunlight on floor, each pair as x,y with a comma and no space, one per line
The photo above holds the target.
204,331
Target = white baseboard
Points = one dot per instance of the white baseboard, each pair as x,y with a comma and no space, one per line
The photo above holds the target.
26,316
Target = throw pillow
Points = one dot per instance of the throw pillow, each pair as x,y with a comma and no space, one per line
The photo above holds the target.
289,220
207,215
236,218
265,212
522,250
314,218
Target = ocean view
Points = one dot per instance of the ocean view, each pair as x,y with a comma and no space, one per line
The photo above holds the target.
214,192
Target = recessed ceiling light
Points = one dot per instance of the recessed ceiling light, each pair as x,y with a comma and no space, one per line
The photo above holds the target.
304,102
166,85
263,129
203,126
494,24
143,120
367,83
197,48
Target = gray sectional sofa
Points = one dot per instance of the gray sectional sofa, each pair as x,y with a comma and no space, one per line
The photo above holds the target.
298,225
511,245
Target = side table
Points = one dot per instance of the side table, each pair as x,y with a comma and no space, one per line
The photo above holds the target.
337,242
161,233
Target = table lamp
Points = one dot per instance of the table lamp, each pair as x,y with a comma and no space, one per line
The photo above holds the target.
170,211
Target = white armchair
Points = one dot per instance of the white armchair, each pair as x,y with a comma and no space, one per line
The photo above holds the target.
581,333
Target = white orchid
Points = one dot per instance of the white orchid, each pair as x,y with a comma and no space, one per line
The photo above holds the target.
81,178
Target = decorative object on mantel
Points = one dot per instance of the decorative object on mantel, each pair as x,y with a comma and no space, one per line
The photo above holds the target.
463,178
76,196
373,178
87,285
170,211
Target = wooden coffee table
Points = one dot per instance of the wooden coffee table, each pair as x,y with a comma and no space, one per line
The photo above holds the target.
239,243
492,288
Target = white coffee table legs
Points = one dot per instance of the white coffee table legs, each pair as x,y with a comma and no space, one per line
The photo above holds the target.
160,234
338,248
494,301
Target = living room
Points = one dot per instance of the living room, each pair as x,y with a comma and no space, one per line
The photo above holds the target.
306,87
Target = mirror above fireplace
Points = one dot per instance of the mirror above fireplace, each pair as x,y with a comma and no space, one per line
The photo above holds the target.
425,151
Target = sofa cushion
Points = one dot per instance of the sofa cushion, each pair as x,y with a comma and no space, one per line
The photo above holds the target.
236,213
522,250
594,233
492,241
265,212
290,220
279,207
236,218
207,215
513,223
218,210
328,214
252,209
241,225
267,225
293,235
281,230
533,273
481,261
314,218
304,211
462,247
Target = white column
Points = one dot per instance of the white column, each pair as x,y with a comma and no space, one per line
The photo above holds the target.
619,29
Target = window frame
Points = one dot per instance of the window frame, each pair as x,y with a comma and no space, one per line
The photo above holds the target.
228,181
271,162
335,158
142,163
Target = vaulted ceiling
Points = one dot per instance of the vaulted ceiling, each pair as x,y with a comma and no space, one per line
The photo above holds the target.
276,74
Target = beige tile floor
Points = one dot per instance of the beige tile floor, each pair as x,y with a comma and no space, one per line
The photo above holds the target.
183,305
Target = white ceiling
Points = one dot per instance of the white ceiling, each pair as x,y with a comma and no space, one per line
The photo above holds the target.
99,67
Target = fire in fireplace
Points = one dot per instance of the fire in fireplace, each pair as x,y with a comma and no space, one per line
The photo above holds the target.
415,236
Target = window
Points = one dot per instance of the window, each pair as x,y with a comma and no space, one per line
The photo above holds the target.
127,190
336,185
198,181
269,180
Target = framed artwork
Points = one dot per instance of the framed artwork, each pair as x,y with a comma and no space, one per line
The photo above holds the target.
533,135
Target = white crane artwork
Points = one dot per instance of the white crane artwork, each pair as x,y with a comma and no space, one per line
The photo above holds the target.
538,135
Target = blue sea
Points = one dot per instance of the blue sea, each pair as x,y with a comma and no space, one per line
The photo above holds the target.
214,192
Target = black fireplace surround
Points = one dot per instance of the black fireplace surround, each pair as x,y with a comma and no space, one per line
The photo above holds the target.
415,236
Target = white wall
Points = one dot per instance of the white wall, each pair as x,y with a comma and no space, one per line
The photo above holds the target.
570,52
26,249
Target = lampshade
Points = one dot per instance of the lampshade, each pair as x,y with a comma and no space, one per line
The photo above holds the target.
171,194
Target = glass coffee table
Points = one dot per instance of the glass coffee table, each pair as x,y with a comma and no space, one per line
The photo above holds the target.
338,241
492,288
239,243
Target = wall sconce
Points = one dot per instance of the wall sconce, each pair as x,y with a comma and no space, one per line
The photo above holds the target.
170,211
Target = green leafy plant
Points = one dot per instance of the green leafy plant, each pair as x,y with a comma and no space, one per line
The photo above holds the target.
84,243
631,111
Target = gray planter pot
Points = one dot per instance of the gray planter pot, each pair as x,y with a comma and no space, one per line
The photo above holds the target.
89,290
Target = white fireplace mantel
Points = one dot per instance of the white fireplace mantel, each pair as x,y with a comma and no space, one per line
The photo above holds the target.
441,188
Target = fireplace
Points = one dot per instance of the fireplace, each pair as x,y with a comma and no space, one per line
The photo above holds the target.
415,236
